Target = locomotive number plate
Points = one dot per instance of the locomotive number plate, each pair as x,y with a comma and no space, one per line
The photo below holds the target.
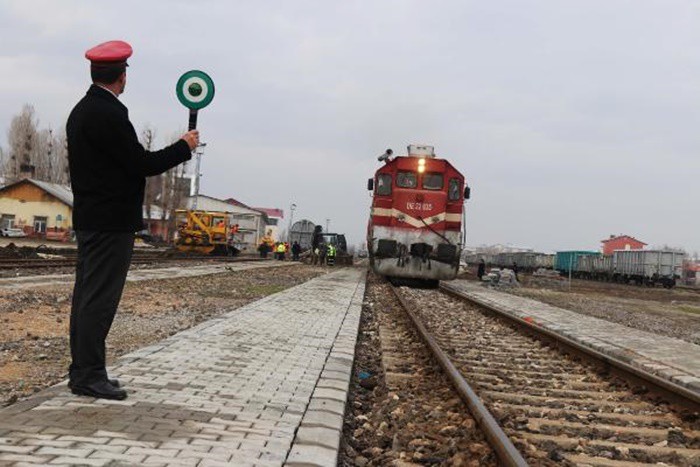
419,206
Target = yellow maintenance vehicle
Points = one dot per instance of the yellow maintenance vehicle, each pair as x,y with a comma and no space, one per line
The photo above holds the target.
205,232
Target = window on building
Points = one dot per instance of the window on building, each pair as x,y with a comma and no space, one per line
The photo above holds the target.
272,221
384,184
432,181
453,190
7,221
406,180
40,224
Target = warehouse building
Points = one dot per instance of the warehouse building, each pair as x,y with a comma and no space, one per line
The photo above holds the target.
39,208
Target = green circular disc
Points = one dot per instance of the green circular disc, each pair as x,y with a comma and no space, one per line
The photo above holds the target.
195,89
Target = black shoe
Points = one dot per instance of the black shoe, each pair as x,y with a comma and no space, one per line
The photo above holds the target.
114,382
101,390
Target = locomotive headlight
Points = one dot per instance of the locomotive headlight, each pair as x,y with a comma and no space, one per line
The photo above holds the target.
421,165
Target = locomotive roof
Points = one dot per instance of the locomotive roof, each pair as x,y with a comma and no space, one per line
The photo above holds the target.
403,162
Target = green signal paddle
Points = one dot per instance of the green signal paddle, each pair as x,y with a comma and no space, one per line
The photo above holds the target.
195,90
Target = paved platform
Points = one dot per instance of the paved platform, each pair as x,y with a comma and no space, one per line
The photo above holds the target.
673,359
135,275
263,385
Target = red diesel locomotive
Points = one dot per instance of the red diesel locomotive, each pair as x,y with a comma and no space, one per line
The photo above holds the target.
416,223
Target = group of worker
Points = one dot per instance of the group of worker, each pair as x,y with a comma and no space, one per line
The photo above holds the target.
324,254
280,249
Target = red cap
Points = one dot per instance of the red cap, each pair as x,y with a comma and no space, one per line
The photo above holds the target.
109,53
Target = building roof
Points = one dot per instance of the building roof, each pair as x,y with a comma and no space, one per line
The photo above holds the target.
235,202
272,212
621,237
61,192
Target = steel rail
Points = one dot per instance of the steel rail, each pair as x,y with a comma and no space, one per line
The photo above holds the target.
33,263
506,452
669,390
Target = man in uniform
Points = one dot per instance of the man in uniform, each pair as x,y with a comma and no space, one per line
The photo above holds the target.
108,167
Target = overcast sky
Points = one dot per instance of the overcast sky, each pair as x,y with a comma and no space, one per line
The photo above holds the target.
571,120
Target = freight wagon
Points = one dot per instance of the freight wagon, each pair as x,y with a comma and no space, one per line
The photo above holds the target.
525,260
567,261
647,267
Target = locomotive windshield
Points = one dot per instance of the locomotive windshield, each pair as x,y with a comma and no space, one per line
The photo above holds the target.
384,184
454,191
432,181
406,180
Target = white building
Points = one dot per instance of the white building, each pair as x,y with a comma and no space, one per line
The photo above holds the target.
275,225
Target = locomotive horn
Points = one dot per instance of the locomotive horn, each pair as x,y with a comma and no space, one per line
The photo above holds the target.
387,154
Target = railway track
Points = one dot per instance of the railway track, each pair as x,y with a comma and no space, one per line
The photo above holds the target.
39,263
533,397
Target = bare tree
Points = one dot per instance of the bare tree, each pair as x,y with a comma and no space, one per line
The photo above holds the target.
34,152
154,185
22,138
176,189
60,170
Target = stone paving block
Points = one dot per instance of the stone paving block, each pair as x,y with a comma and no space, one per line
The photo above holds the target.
323,418
333,384
68,460
71,452
307,454
133,459
327,405
12,458
326,437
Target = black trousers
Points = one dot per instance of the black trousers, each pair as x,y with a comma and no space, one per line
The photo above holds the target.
103,261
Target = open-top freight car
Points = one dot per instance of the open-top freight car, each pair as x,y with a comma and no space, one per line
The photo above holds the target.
648,267
525,260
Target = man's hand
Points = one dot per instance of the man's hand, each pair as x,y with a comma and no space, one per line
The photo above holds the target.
192,139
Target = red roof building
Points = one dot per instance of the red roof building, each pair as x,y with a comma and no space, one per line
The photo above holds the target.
272,212
621,242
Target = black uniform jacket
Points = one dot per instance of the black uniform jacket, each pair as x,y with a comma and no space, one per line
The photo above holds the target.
108,165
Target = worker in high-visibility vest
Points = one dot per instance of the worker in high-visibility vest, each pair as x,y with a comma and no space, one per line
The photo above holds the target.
330,256
281,250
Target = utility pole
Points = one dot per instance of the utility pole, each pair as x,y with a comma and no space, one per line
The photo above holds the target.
328,221
198,152
292,207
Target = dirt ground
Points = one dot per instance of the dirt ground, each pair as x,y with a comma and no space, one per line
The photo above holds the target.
669,312
34,323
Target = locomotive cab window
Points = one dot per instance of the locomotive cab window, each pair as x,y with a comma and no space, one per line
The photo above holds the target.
384,184
406,180
453,191
432,181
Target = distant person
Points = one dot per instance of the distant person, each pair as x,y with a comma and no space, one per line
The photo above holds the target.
515,271
323,251
281,250
481,269
108,170
330,255
296,250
